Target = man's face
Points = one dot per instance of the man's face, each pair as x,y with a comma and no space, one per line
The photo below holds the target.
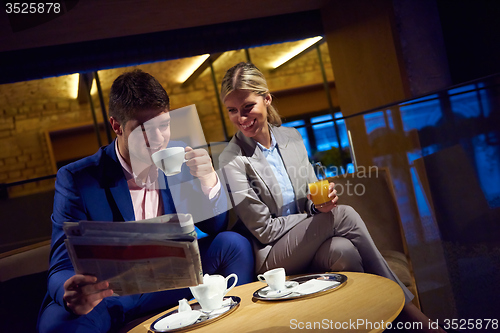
145,134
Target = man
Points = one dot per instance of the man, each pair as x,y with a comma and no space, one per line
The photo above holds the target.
120,183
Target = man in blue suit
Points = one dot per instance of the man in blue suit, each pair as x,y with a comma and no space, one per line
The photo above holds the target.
120,183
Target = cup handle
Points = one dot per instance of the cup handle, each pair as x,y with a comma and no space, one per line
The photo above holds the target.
261,277
233,275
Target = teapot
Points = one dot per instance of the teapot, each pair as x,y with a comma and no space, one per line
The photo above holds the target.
211,292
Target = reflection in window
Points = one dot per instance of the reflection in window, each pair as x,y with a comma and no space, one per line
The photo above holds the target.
421,112
377,120
344,141
325,134
465,101
487,162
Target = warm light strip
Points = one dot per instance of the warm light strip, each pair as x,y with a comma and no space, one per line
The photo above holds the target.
296,50
196,62
93,90
73,80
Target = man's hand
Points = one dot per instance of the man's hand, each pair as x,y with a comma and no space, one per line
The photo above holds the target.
328,206
200,166
82,293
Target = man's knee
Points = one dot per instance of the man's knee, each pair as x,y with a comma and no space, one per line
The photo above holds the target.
235,255
233,242
56,319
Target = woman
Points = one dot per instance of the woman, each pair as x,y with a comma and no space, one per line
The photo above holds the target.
267,171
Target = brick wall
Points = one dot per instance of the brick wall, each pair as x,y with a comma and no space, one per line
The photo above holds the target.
29,109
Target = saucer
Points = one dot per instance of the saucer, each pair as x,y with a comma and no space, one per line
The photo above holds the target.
290,287
310,285
177,320
171,317
226,306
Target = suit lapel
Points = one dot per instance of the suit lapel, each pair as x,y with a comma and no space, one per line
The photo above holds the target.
166,194
117,184
259,163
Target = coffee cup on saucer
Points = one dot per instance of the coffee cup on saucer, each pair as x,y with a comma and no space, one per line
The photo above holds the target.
275,278
277,285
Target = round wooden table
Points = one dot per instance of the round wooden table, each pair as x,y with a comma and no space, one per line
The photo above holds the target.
366,303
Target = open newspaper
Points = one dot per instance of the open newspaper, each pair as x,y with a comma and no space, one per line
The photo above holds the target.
137,257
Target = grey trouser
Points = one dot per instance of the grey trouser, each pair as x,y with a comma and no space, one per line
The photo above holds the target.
336,241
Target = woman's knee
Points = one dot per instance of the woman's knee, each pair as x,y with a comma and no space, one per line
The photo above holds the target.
339,254
348,257
348,216
348,211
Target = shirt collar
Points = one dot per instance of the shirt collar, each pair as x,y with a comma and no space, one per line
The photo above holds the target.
129,174
273,143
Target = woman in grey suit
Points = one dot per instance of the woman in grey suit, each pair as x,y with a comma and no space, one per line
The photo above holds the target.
267,171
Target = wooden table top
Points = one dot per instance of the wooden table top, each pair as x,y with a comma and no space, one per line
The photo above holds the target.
361,305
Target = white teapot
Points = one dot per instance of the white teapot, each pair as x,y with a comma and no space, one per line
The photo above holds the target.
211,293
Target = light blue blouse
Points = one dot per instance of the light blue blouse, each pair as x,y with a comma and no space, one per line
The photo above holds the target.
274,159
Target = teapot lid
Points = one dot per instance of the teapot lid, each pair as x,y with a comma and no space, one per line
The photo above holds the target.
207,277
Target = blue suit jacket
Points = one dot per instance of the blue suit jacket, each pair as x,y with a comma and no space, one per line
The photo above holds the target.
95,189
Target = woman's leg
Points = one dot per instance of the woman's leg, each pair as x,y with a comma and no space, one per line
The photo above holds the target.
311,245
348,224
337,254
295,250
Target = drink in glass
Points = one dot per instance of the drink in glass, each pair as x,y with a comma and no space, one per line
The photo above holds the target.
319,190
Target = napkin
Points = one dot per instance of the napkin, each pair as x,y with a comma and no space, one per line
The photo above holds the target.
184,306
314,285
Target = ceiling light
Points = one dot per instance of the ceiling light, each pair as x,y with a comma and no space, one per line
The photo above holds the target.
296,50
195,63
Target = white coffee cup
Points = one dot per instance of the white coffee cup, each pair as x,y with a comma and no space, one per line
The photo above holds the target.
169,160
275,278
211,293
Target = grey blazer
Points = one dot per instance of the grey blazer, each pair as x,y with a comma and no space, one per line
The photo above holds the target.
255,191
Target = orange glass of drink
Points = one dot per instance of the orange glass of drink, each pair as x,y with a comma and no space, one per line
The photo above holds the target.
319,190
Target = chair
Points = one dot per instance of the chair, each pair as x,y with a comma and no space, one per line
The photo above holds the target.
372,195
23,283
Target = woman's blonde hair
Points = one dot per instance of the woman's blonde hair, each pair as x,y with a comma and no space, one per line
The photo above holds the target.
245,76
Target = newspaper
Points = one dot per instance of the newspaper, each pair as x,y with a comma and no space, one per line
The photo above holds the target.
137,257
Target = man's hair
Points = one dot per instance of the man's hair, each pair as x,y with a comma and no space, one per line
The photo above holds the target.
133,92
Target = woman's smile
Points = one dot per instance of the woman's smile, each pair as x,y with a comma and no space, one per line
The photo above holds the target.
248,112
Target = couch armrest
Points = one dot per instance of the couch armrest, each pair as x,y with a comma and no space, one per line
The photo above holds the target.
24,261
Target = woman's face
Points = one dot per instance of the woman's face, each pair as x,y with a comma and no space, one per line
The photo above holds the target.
248,112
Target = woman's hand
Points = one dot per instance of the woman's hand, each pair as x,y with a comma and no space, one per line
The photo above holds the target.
82,293
328,206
